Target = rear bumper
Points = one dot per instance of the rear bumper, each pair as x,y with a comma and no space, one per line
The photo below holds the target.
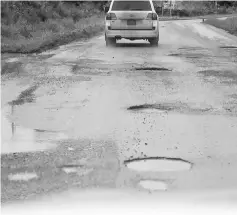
132,34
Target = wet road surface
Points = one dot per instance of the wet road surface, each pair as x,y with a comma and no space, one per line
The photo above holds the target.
126,117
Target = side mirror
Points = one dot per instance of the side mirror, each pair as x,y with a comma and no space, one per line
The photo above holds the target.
106,9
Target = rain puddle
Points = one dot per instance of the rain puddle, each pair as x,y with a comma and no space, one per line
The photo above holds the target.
152,110
78,169
24,176
152,185
19,139
158,164
11,60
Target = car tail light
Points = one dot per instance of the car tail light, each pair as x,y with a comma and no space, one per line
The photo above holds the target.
111,16
152,16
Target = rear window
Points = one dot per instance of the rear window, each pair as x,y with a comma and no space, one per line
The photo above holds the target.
131,6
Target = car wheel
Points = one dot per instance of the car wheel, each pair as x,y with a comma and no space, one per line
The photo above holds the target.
110,41
154,41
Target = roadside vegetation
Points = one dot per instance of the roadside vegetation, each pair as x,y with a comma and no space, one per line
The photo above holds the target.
35,26
229,24
198,8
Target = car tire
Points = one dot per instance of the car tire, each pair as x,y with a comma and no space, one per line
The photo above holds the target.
154,41
110,41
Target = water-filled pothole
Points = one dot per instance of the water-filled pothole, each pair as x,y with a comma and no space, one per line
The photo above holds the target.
153,68
152,185
78,169
158,164
23,176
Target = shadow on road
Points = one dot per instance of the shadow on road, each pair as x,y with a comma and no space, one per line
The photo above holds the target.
138,45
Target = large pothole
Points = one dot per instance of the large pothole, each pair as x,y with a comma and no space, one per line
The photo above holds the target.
158,164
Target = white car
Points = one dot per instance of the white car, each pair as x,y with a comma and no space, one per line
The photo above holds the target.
131,20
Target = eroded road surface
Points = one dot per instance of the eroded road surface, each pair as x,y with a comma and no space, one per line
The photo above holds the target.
130,117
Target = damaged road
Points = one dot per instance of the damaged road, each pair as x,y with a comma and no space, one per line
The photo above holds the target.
73,118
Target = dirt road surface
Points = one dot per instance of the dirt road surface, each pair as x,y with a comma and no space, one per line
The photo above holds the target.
132,117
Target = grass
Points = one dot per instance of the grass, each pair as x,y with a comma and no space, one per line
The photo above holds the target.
51,34
31,27
229,24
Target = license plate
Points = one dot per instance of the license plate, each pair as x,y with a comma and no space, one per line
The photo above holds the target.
131,22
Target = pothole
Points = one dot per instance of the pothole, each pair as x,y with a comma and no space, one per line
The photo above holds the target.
151,107
153,185
158,164
228,47
165,107
153,68
24,176
174,55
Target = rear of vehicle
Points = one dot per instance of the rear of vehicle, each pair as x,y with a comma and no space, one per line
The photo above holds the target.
131,20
